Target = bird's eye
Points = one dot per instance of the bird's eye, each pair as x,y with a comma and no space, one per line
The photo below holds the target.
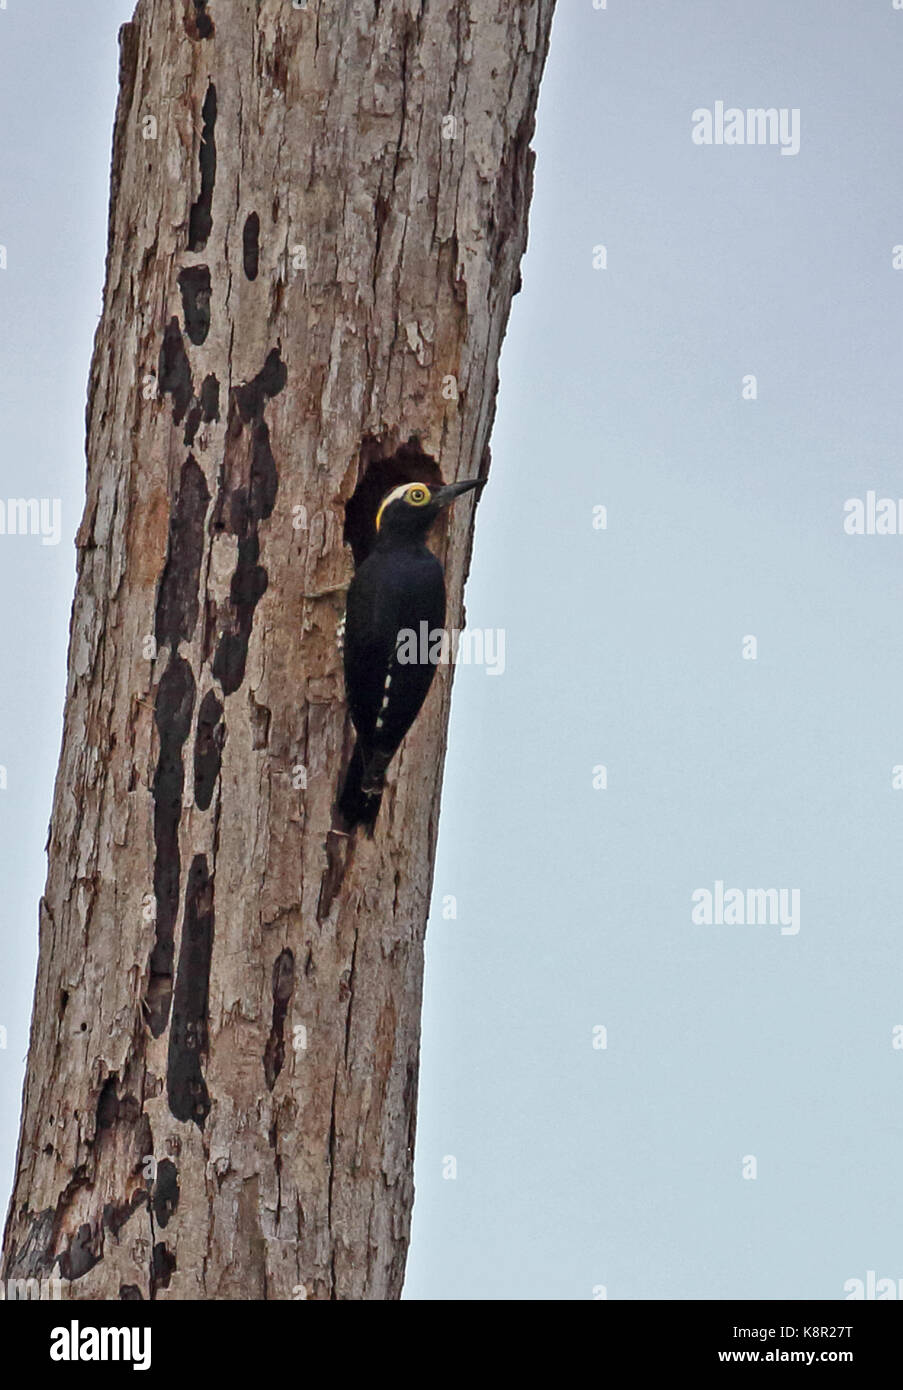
418,495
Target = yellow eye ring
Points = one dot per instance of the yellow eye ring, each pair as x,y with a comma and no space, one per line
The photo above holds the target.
418,496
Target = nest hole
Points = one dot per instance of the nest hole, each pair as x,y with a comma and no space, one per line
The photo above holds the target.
379,474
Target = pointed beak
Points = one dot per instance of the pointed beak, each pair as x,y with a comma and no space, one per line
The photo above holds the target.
447,494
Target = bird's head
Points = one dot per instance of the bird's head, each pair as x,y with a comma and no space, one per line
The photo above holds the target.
408,511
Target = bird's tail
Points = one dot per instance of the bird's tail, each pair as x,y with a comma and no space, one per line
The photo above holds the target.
362,792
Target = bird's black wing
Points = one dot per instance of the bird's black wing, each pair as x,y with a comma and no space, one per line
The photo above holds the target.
391,592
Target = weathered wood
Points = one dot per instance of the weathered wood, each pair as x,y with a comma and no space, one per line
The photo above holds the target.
317,216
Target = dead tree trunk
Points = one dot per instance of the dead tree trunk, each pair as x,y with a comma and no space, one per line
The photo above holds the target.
317,216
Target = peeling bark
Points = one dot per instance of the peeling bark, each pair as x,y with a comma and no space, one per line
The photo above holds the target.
309,274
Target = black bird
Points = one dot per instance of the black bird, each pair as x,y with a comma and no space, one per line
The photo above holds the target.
398,587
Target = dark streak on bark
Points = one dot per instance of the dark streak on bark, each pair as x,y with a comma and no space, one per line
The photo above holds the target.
185,1085
283,988
204,408
166,1191
178,597
194,286
269,381
251,246
175,703
208,747
409,1102
144,1141
192,424
115,1216
348,987
174,371
84,1251
249,584
243,502
162,1268
210,398
107,1105
200,223
264,478
339,854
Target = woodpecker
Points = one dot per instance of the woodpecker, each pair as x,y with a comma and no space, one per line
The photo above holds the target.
399,586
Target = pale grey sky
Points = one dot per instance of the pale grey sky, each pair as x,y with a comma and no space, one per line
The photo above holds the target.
577,1166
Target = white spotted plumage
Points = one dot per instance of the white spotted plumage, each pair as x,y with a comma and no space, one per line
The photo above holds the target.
388,682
